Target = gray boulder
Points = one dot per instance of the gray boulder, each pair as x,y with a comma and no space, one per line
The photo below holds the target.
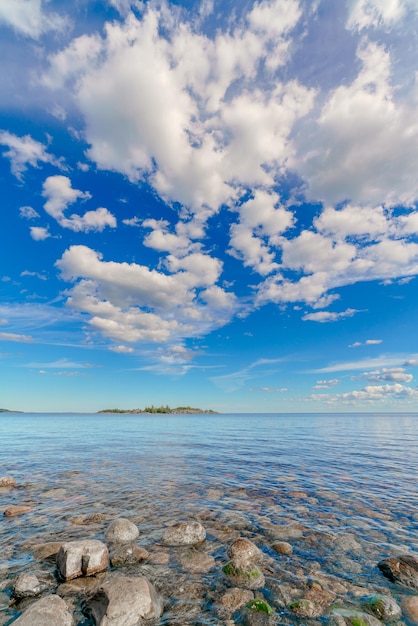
48,611
124,601
121,530
245,551
82,558
27,586
184,534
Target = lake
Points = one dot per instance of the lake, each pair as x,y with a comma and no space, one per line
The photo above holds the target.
341,489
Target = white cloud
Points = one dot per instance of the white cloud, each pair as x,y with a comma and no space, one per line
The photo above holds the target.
328,316
28,212
368,342
375,363
24,151
122,349
184,111
236,380
326,384
393,374
16,337
364,145
39,233
60,194
35,274
377,393
131,303
375,13
30,18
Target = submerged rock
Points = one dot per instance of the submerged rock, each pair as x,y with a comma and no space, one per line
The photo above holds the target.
349,617
48,611
18,509
234,599
7,481
282,547
304,608
46,550
197,562
27,586
82,558
123,601
184,534
401,569
127,554
410,606
121,530
383,607
246,575
244,551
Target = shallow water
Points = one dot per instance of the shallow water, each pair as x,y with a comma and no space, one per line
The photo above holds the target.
346,483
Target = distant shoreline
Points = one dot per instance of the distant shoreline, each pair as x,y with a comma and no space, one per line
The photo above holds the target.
165,410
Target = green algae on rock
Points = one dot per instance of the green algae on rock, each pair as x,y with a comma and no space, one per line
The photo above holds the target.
259,605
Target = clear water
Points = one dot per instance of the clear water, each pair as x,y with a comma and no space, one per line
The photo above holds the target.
347,482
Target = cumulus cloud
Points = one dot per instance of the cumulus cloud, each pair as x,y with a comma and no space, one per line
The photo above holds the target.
24,151
39,233
364,146
60,194
30,18
130,303
326,384
375,13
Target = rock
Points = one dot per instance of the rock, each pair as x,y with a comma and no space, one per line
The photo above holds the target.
46,550
48,611
7,481
304,608
184,534
410,606
234,599
197,562
383,607
121,530
87,520
123,601
82,558
159,558
245,575
259,605
401,569
282,547
17,509
27,586
350,617
81,585
244,551
127,554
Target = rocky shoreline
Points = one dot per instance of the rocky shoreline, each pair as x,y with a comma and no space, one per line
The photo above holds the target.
194,571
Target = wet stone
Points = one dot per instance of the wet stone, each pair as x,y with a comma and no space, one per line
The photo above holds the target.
127,554
401,569
81,585
18,509
383,607
197,562
350,617
46,550
7,481
234,599
123,601
304,608
159,558
244,551
87,520
282,547
49,611
184,533
246,575
121,530
27,586
410,607
82,558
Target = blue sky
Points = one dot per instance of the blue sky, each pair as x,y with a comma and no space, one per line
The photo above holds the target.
209,203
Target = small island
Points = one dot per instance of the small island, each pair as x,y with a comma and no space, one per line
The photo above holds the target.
9,411
162,409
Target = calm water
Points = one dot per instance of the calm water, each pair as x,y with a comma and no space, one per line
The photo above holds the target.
345,485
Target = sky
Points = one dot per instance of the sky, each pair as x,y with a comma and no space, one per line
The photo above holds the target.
209,203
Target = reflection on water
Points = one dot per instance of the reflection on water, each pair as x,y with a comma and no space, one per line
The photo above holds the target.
347,482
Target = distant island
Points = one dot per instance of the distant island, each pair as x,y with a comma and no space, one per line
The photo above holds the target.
161,409
9,411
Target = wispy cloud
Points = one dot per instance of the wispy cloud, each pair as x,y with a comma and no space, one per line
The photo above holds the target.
364,364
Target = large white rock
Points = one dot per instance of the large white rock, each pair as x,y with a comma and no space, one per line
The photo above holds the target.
82,558
123,601
121,530
184,534
48,611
